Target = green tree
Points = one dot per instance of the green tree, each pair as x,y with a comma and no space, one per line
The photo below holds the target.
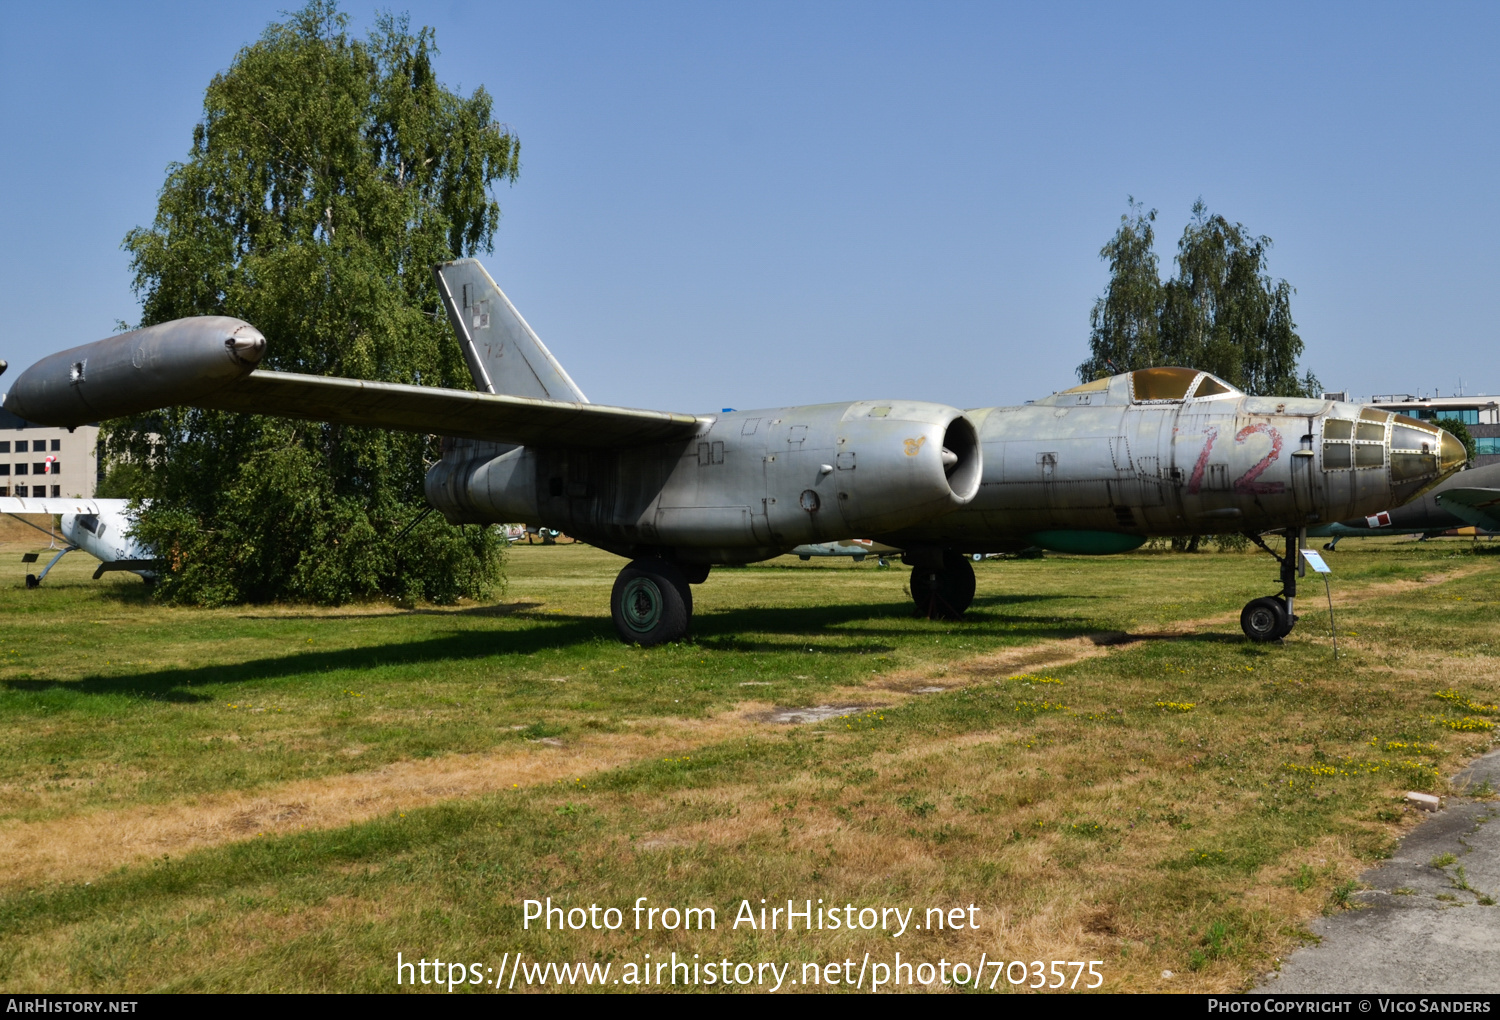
1221,313
1125,324
1460,432
327,176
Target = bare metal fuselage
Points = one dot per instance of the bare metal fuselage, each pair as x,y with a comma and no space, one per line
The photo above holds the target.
1225,464
1092,472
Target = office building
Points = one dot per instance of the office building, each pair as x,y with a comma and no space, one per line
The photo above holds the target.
38,460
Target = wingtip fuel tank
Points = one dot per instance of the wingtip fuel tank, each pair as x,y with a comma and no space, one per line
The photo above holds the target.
157,366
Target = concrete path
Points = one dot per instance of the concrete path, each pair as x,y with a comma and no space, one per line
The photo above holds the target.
1426,925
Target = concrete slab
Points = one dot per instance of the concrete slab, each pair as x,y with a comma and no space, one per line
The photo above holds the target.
1425,924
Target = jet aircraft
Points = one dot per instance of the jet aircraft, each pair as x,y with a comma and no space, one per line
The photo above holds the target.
1097,468
100,527
1468,499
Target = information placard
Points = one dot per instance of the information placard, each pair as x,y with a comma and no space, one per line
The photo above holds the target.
1315,560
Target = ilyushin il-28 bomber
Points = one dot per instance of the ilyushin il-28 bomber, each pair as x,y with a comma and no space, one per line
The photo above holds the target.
1098,468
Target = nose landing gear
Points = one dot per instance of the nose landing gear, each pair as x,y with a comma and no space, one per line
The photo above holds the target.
1266,619
1271,617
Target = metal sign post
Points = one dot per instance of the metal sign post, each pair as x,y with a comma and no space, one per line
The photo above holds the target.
1315,560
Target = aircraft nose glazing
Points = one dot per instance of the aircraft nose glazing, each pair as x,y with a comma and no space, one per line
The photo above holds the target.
1451,455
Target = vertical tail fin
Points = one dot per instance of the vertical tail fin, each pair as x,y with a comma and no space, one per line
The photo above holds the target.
504,354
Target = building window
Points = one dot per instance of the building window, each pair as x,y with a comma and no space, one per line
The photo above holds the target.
39,468
21,491
20,469
56,491
56,445
4,445
1487,446
4,469
57,467
4,490
20,446
1467,415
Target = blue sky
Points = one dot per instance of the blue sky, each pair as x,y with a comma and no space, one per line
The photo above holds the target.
757,204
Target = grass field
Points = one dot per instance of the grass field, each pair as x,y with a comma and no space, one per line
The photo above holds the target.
284,797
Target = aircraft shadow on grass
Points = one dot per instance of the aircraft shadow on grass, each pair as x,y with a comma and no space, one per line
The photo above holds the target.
717,630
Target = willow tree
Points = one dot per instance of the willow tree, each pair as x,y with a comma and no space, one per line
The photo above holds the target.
327,176
1225,314
1222,312
1125,324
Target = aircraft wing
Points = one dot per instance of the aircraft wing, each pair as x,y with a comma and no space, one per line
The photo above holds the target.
528,421
1479,507
59,505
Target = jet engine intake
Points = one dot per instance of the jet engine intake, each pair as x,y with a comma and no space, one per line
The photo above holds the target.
175,362
915,463
963,464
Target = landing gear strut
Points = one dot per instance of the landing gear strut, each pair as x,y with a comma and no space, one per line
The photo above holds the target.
35,580
1272,617
651,603
942,588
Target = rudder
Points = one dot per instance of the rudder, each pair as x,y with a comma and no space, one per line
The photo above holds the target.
503,352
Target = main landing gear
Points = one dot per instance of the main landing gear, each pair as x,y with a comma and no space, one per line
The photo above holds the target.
652,601
1271,617
35,580
942,583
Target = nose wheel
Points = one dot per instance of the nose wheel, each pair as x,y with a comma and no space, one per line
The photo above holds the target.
1271,617
943,593
651,603
1266,619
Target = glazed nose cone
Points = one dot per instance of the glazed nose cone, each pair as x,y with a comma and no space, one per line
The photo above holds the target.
1451,455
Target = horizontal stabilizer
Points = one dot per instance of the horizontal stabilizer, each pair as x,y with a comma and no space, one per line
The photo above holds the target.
1479,507
58,505
527,421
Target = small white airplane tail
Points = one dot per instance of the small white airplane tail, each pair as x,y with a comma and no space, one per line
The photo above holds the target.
504,354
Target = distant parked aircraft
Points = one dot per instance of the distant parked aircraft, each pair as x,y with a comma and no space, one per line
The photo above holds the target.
100,527
1468,499
857,548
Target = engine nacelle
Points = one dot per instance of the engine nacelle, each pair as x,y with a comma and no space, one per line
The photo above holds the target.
890,461
751,484
171,363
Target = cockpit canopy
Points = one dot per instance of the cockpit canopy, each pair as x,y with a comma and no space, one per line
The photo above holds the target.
1145,386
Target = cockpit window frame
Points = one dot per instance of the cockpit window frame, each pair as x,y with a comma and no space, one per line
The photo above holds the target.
1164,373
1227,390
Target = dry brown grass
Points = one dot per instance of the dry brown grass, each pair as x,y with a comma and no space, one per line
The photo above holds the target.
85,845
939,809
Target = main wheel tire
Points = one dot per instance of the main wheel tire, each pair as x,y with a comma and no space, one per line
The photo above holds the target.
944,594
32,582
651,603
1265,619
